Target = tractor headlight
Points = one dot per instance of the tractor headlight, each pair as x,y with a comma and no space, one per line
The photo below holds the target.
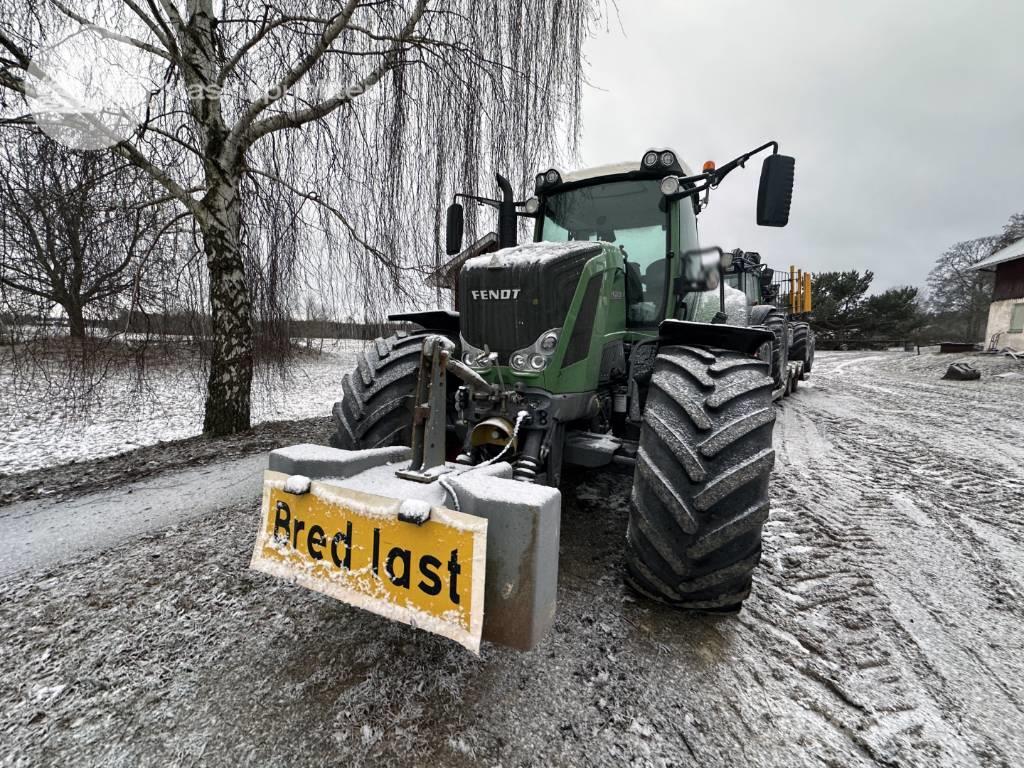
532,205
549,178
670,185
535,358
661,159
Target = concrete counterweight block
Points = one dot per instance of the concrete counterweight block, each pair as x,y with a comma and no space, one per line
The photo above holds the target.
523,523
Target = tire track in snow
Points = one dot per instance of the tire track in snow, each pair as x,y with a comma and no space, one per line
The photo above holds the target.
897,510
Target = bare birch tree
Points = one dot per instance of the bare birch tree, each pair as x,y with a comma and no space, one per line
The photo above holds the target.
326,135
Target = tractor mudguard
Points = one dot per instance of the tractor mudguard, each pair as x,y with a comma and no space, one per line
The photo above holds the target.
734,337
436,320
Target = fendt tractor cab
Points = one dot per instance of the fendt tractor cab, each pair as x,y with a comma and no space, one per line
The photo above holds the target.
611,340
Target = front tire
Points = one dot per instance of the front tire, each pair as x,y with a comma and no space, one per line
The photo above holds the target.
700,488
375,410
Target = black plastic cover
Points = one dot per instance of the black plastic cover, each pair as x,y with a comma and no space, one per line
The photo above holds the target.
735,337
439,320
583,329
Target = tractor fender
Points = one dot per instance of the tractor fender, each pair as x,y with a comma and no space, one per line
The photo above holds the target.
437,320
735,337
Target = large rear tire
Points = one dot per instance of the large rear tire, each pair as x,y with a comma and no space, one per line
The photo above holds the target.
803,345
774,319
700,488
376,406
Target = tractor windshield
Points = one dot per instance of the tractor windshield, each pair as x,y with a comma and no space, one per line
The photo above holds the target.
630,214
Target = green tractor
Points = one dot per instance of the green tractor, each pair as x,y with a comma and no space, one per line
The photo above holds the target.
612,339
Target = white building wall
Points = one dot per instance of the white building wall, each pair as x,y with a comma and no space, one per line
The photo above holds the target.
999,322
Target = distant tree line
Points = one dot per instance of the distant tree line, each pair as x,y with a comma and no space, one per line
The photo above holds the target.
953,308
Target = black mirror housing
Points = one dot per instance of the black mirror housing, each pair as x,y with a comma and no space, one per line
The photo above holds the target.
453,230
775,192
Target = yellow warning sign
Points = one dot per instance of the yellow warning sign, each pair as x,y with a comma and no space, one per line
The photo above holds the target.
353,546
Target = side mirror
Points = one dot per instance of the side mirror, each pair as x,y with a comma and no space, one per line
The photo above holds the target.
453,230
775,193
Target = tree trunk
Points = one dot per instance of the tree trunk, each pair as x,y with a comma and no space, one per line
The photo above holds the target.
76,321
229,388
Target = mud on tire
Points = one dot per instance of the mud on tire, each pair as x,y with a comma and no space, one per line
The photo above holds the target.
700,488
376,405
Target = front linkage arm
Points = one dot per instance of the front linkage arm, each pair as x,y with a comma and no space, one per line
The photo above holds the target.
429,416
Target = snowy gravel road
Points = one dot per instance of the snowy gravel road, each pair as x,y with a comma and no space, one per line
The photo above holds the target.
886,628
46,531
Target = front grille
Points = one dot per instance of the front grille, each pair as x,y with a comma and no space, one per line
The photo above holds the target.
508,300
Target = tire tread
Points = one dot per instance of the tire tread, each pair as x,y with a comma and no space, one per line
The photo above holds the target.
700,493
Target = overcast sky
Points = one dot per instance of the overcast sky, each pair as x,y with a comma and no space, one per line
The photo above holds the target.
906,118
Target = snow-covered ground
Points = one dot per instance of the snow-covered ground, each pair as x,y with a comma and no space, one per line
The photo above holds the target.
886,626
39,433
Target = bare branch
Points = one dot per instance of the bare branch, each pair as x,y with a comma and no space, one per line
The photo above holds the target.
131,153
150,22
266,27
313,197
20,55
317,111
290,78
110,34
12,82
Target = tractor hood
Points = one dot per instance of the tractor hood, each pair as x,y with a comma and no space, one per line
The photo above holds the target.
509,298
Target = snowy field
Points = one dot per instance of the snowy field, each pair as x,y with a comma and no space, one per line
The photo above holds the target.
168,407
886,627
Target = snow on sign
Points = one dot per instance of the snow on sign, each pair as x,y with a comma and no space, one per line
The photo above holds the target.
353,546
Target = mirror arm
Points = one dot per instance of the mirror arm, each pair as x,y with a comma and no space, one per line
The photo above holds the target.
741,161
714,178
